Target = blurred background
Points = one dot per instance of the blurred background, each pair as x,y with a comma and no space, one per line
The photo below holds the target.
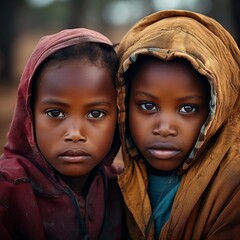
23,22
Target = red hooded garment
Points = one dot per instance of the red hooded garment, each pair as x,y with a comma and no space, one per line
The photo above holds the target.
34,202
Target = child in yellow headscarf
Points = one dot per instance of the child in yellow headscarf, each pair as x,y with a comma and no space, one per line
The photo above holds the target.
179,116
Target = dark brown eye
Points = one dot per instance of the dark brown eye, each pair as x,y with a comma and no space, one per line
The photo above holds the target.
188,109
96,114
148,106
55,114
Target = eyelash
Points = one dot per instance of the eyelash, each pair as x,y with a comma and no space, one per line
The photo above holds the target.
144,107
61,115
50,113
101,113
193,109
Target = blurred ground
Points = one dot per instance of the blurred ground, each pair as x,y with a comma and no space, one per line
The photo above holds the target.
7,104
22,48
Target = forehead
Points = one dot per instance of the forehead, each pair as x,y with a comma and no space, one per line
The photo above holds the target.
74,83
75,74
178,73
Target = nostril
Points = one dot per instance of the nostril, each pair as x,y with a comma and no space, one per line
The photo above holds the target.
75,130
75,137
164,130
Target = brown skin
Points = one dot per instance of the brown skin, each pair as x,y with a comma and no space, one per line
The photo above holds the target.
168,104
75,118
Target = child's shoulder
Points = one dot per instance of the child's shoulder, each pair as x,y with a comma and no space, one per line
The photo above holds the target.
21,175
11,169
230,166
13,180
112,171
227,175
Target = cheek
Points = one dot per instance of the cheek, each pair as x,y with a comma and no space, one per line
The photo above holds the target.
102,136
43,141
46,136
192,133
137,128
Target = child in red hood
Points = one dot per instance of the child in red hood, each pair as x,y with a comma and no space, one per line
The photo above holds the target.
55,173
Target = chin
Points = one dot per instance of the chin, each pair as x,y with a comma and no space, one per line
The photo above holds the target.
165,166
74,172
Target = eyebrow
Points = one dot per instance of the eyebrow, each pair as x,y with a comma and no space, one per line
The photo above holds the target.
100,103
140,93
146,94
53,102
191,97
91,104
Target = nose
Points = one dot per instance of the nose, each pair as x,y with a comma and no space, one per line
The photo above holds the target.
75,132
164,126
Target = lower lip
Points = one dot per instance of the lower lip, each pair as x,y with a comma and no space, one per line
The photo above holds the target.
163,154
74,159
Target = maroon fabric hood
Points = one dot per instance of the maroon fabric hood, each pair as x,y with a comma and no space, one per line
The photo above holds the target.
34,201
21,142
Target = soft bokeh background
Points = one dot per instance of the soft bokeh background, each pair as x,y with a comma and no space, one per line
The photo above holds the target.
23,22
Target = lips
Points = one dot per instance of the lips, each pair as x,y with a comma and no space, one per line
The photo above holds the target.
74,155
163,150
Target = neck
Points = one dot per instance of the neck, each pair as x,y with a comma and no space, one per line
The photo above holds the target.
155,171
79,185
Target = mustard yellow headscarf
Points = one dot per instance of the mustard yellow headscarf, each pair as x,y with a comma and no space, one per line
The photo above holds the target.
207,204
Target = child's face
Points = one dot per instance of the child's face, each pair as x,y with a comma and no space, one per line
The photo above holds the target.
75,116
168,104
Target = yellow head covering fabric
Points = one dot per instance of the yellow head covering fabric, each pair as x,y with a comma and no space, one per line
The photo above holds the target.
207,204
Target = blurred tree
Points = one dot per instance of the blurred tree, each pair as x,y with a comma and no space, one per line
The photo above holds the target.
86,13
77,13
236,18
18,16
8,9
